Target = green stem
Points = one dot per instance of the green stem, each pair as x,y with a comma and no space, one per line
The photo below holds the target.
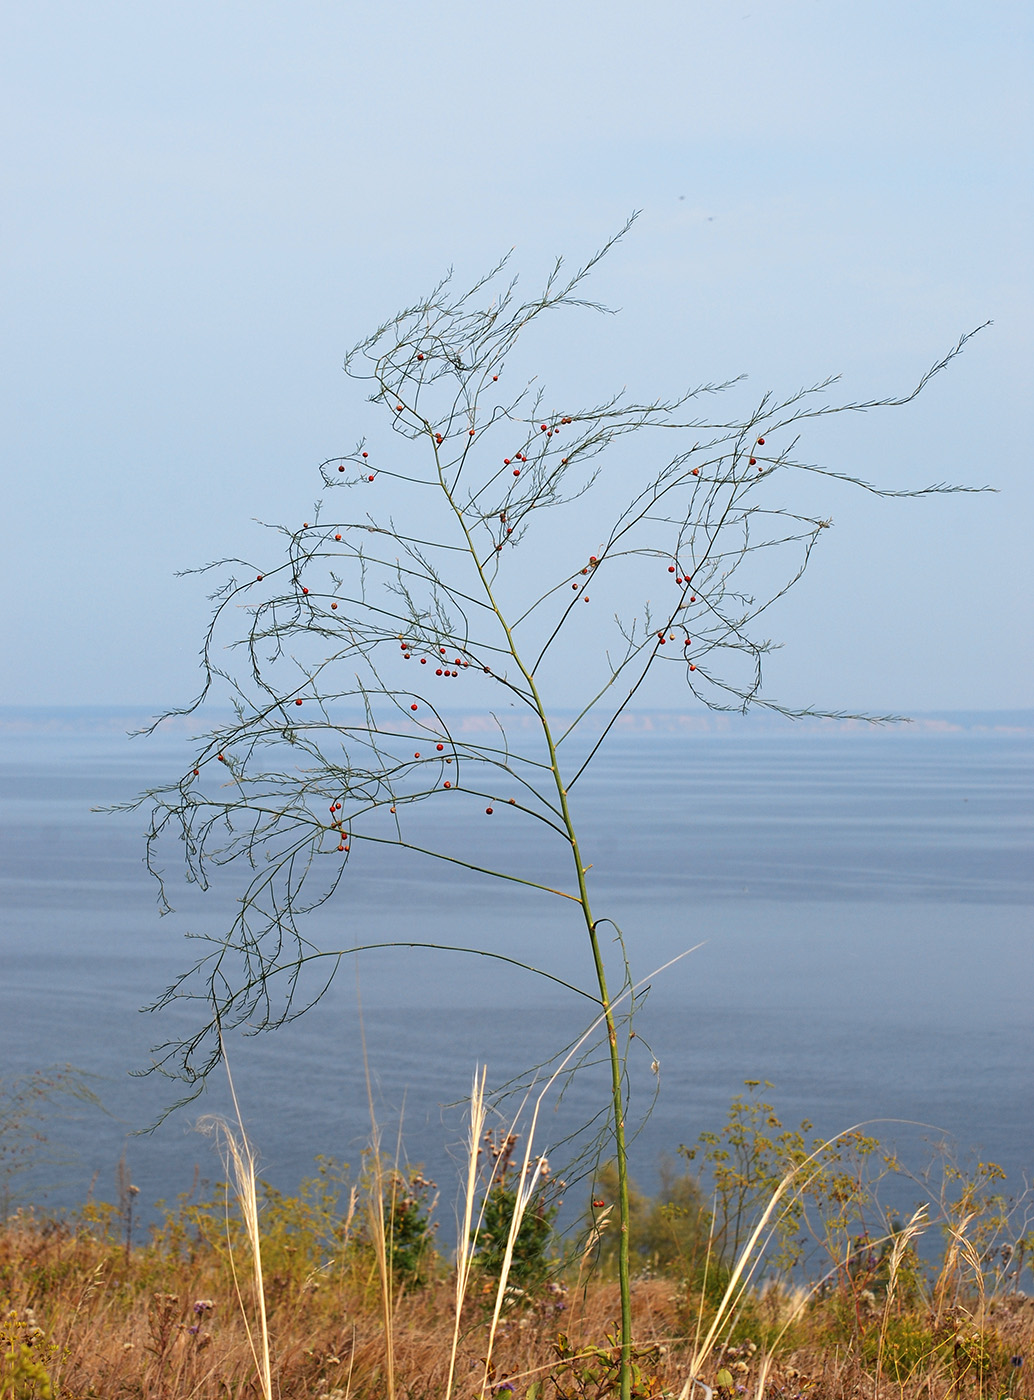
616,1066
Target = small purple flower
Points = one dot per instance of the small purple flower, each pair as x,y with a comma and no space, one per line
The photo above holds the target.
193,1331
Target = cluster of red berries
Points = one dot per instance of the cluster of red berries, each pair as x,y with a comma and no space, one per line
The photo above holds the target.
407,653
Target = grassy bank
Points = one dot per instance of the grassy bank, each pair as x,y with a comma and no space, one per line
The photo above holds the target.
785,1280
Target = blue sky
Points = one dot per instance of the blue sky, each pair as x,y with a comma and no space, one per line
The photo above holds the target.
206,204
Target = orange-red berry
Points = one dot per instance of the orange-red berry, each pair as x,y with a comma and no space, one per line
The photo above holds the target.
446,783
338,538
488,811
298,702
439,747
334,606
412,707
671,568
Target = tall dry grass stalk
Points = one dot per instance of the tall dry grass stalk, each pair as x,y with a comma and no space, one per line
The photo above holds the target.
465,1244
375,1213
749,1259
240,1163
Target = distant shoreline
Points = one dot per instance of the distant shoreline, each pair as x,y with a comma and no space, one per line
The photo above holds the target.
100,720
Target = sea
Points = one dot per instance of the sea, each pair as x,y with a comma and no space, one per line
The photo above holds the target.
839,914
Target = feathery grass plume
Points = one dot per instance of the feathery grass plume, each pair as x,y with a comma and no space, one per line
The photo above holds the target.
465,1241
239,1161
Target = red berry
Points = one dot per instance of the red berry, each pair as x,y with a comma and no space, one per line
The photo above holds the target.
544,427
695,471
305,524
488,811
671,568
693,599
753,461
470,433
678,580
761,442
439,747
305,590
258,578
416,755
398,408
366,454
575,587
563,461
593,559
446,783
506,461
338,538
516,471
692,668
494,377
197,772
341,469
513,802
297,702
334,606
369,478
423,661
220,758
442,650
412,707
439,671
586,598
420,357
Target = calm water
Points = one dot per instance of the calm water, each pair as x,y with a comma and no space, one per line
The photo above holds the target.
862,906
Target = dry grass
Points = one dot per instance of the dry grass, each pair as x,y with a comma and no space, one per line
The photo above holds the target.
166,1324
